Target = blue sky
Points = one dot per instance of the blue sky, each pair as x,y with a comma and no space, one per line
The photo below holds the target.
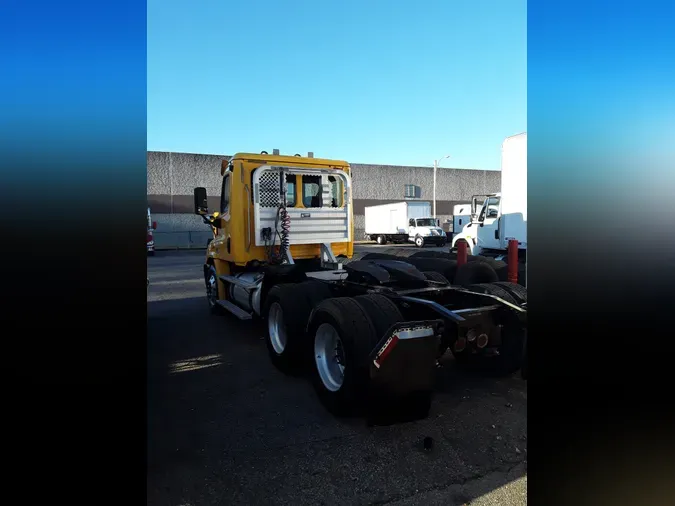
366,81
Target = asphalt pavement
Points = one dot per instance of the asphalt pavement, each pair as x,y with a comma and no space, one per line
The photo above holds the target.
225,427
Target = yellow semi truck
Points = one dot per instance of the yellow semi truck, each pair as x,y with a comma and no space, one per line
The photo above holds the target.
363,330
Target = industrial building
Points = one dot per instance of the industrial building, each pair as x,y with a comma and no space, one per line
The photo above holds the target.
173,176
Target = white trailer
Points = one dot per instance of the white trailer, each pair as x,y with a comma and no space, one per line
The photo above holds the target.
402,222
503,216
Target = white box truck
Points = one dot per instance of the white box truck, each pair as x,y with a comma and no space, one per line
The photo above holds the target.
402,222
503,216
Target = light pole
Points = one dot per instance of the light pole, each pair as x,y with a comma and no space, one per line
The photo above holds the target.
436,162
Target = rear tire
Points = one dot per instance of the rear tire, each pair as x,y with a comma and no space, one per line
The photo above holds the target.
382,256
501,268
443,255
381,240
435,276
517,291
447,268
287,309
344,395
383,313
475,272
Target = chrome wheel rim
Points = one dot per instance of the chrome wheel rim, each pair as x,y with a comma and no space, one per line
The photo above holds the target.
212,290
329,357
276,328
419,241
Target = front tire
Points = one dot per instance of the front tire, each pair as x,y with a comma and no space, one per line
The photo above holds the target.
419,242
211,280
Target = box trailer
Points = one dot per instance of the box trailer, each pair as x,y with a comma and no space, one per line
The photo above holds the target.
503,216
403,222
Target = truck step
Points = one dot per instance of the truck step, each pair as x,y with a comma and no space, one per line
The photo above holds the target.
235,310
239,282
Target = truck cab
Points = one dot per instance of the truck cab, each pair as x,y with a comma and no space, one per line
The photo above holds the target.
502,216
369,331
426,230
273,210
483,234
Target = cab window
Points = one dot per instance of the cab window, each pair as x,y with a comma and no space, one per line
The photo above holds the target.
336,191
225,194
491,206
290,190
311,191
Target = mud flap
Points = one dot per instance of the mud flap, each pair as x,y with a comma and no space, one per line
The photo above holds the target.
403,370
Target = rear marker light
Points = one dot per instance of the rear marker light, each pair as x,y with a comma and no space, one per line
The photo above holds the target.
460,344
385,350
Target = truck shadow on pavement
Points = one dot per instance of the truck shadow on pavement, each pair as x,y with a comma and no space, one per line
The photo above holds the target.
224,426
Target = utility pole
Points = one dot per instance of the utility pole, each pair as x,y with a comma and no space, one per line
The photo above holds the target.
435,169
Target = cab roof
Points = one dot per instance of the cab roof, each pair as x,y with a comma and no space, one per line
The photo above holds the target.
272,159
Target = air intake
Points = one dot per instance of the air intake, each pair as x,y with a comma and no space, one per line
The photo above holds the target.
310,154
275,152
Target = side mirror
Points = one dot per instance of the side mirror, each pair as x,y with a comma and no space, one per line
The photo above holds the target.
201,202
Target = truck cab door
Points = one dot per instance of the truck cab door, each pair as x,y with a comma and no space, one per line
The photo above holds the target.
412,229
487,234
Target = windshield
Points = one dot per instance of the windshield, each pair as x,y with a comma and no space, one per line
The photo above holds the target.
492,206
426,222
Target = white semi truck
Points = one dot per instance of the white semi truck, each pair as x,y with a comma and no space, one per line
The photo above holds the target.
402,222
503,215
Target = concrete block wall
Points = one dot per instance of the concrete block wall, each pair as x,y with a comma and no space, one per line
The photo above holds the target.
173,176
383,184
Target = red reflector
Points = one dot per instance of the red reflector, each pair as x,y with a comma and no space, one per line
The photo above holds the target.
386,350
460,344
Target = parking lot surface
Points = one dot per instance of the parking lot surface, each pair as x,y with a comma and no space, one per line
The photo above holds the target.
225,427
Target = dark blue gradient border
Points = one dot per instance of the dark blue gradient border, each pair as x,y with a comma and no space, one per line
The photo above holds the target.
72,198
601,266
601,188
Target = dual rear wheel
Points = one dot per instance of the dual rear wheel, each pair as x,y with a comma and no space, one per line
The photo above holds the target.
335,346
309,331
